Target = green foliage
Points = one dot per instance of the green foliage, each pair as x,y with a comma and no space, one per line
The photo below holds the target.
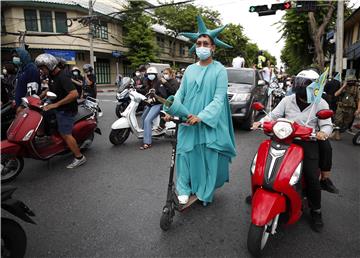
140,37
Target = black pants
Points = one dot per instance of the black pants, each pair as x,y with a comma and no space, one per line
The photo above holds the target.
311,172
325,155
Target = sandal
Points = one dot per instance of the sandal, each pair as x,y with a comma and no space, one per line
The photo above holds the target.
145,146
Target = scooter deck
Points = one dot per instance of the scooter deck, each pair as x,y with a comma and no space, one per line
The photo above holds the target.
192,200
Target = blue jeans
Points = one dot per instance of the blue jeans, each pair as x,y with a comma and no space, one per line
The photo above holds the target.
150,113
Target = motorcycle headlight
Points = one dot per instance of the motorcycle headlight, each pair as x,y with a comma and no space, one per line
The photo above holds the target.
253,165
241,97
28,135
296,175
283,129
118,95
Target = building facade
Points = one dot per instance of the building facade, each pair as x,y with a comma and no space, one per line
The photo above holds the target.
352,41
62,29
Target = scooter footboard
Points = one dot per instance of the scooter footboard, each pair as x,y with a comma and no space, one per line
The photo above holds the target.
9,148
265,206
121,123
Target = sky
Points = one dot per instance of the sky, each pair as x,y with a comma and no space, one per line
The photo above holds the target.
260,30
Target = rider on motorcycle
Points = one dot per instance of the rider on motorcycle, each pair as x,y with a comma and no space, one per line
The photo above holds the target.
296,108
65,105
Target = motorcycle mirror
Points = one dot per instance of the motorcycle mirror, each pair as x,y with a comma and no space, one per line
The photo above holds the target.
324,114
257,106
51,95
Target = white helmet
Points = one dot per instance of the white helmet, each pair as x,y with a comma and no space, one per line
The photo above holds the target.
151,69
304,79
47,60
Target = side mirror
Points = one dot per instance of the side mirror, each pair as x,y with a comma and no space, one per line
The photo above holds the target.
261,83
324,114
51,95
257,106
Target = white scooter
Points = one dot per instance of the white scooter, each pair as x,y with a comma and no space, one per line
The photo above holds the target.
121,128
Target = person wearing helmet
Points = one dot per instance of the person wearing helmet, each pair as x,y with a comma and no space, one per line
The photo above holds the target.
77,80
261,60
153,109
27,73
65,105
296,108
89,83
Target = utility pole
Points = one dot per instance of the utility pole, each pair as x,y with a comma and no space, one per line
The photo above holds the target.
91,34
339,36
22,39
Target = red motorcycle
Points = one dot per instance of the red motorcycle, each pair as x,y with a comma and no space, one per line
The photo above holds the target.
276,179
23,142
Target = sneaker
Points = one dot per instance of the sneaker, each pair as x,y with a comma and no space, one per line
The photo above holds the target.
183,199
77,162
327,185
316,221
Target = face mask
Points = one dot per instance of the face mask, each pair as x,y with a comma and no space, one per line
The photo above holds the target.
166,76
137,74
4,71
16,60
151,77
203,53
75,73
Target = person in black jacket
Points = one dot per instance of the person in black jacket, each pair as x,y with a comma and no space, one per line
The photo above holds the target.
169,82
153,109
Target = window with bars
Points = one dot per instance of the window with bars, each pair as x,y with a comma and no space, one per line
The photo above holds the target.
46,21
102,71
31,20
181,50
100,30
61,22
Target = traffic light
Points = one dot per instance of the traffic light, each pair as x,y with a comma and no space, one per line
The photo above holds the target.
281,6
306,6
258,8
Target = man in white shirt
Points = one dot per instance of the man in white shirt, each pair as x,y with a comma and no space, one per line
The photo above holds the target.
267,72
238,62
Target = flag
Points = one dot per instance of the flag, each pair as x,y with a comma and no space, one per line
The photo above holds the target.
315,90
338,77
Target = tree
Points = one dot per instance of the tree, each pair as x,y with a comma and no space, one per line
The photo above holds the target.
182,18
317,29
139,37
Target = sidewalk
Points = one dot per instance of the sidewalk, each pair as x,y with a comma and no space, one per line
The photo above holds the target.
106,88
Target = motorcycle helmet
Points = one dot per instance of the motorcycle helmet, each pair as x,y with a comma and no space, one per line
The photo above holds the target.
151,73
302,80
87,68
47,60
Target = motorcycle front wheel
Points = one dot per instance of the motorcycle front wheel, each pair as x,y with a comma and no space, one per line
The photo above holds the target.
11,167
257,239
13,239
119,136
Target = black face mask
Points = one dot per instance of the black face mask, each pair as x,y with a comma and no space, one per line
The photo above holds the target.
301,93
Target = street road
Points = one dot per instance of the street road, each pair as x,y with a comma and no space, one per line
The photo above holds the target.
111,206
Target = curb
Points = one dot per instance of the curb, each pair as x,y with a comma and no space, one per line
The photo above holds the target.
105,90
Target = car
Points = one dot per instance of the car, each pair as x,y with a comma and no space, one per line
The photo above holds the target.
246,85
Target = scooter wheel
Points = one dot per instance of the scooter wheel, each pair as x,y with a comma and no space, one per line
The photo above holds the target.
165,221
257,239
13,239
118,136
11,167
356,139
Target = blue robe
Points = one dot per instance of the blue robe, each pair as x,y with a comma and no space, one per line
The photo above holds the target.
204,150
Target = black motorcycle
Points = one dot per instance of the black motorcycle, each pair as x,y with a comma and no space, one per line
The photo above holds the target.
13,237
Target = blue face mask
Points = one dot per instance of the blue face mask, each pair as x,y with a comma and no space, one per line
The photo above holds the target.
16,60
203,53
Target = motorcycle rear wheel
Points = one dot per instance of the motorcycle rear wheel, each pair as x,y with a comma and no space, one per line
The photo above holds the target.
356,139
11,167
119,136
257,239
13,239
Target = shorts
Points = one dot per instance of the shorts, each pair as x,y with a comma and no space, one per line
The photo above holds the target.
65,121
